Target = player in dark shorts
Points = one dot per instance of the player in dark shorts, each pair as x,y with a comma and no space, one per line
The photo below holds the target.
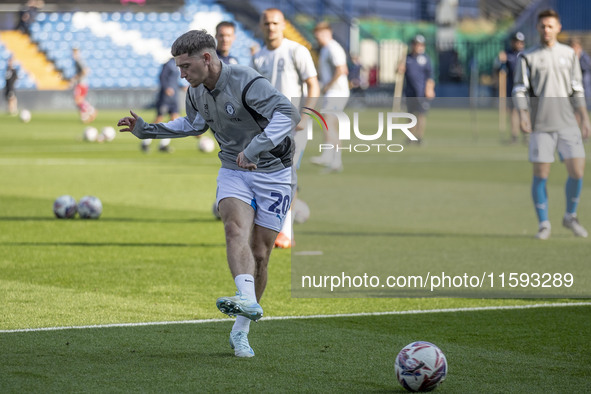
11,76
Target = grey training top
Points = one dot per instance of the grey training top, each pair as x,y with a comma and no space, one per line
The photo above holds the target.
551,78
244,112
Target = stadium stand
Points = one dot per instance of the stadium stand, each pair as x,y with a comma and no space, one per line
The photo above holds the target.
33,62
24,80
123,49
124,43
399,10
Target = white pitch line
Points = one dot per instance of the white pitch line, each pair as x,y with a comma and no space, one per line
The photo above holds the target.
361,314
309,253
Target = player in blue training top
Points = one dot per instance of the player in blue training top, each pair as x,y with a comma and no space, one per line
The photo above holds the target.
225,34
507,61
253,124
419,85
549,74
585,61
167,101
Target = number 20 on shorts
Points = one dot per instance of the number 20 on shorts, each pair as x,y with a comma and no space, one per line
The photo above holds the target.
281,204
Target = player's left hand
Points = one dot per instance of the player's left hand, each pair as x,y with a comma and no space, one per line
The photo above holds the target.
243,162
585,130
583,121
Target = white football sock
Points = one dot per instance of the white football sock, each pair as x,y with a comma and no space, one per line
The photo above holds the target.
286,229
337,160
241,324
245,285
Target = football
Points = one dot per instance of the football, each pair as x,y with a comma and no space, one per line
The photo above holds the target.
421,366
25,116
90,134
64,207
301,211
206,144
90,207
108,134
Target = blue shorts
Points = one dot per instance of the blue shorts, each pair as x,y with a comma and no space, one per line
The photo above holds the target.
269,194
417,105
166,105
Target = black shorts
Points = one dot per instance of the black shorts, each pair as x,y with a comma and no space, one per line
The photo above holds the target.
9,93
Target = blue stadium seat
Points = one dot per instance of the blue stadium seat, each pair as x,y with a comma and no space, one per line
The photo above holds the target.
110,63
127,17
176,17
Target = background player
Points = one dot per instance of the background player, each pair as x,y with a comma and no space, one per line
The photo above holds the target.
550,75
225,35
585,62
87,111
10,77
254,185
507,61
419,85
290,69
167,101
333,71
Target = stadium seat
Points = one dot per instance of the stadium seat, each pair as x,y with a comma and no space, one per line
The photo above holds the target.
56,33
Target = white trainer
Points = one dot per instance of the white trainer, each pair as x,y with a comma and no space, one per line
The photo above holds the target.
572,223
323,160
239,305
544,231
239,342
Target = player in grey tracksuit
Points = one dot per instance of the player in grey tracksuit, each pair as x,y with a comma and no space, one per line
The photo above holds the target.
548,76
253,125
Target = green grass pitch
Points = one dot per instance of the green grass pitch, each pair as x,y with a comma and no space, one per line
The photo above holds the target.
157,255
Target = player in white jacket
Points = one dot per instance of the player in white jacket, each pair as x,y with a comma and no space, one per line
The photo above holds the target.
290,69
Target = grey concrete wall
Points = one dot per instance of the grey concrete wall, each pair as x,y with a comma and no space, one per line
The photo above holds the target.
48,100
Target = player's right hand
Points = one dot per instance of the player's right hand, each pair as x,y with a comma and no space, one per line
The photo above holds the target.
128,121
243,162
300,126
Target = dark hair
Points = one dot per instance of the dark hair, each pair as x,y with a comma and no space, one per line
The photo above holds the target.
549,13
192,42
322,26
574,41
225,24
